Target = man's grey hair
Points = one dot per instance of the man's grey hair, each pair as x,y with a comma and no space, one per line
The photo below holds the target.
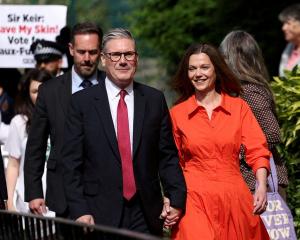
116,33
291,12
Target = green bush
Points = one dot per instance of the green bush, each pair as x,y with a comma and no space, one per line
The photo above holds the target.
287,96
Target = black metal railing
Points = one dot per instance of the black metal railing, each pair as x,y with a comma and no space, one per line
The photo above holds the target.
19,226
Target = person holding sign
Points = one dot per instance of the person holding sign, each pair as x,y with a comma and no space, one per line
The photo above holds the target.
49,117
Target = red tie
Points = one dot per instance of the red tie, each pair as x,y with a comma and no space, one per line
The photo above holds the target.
129,188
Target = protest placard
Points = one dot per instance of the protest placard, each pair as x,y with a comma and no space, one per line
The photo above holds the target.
20,25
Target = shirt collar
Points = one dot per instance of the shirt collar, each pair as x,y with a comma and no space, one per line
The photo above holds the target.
77,80
225,103
113,90
192,105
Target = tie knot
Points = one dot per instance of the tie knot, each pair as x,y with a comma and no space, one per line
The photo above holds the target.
123,93
86,83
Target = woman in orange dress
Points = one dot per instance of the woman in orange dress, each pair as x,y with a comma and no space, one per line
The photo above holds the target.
210,122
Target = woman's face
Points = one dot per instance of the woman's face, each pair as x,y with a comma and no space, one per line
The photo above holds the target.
201,72
33,90
291,30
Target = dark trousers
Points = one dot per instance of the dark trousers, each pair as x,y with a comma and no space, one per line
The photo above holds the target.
133,217
63,231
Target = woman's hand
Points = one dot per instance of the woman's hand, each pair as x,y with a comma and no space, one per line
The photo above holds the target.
10,205
260,197
260,200
170,214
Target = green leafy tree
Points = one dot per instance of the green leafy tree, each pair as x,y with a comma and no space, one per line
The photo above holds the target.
95,11
168,27
81,10
287,94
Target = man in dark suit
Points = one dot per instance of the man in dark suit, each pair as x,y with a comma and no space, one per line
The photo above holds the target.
3,190
119,147
49,117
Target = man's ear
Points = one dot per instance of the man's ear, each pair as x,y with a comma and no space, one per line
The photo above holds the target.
71,49
103,60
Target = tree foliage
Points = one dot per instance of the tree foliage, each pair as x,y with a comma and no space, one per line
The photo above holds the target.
287,94
81,10
169,27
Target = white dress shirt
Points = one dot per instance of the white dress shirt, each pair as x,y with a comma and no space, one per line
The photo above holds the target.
113,93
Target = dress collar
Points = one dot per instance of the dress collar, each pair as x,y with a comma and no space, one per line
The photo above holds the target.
192,105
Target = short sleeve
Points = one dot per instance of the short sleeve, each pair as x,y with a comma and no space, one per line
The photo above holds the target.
13,143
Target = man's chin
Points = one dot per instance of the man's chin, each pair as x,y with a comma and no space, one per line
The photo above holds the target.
87,74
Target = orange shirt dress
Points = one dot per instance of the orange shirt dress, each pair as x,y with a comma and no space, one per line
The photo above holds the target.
219,203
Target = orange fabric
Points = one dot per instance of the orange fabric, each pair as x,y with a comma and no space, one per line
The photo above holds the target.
219,204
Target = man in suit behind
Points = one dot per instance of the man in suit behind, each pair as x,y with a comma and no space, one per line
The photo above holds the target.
49,117
119,147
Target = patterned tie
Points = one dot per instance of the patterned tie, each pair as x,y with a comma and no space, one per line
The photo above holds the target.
86,83
129,187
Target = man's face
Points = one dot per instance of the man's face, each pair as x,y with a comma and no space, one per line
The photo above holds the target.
86,53
291,30
120,61
52,67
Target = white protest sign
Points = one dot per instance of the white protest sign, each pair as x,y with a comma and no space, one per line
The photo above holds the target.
20,25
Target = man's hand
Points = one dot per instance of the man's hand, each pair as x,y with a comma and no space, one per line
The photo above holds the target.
38,206
88,219
170,214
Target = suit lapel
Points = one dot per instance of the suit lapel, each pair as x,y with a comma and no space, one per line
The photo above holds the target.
103,110
101,76
65,90
139,112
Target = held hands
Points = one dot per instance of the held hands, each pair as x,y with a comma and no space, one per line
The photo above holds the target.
38,206
170,214
88,219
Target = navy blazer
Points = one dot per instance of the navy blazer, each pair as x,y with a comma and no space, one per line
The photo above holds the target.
48,120
91,159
